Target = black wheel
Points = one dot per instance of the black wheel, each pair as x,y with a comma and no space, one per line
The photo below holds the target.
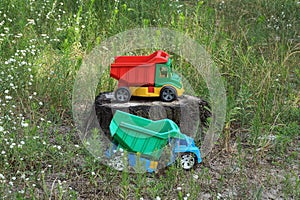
122,94
168,94
187,161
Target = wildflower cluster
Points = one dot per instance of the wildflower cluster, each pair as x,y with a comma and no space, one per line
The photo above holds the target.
20,98
279,22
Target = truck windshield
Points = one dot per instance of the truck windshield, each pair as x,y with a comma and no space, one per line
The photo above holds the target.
163,71
183,142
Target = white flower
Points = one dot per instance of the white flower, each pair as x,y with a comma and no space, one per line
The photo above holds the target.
40,103
30,21
2,177
8,97
195,176
6,91
1,129
158,198
12,145
24,124
23,176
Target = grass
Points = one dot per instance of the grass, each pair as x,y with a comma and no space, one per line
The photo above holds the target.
255,45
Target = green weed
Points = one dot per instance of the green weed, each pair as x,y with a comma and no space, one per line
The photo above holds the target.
255,45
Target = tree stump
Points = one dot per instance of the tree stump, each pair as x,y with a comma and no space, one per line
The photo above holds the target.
188,112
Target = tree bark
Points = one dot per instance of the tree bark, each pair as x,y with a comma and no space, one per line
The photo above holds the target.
188,112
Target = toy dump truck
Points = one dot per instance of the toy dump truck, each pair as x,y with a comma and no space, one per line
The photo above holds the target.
146,76
146,141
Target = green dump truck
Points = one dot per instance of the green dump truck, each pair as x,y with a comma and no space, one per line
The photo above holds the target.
148,139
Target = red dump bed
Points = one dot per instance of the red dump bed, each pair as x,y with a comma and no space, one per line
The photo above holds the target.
137,70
